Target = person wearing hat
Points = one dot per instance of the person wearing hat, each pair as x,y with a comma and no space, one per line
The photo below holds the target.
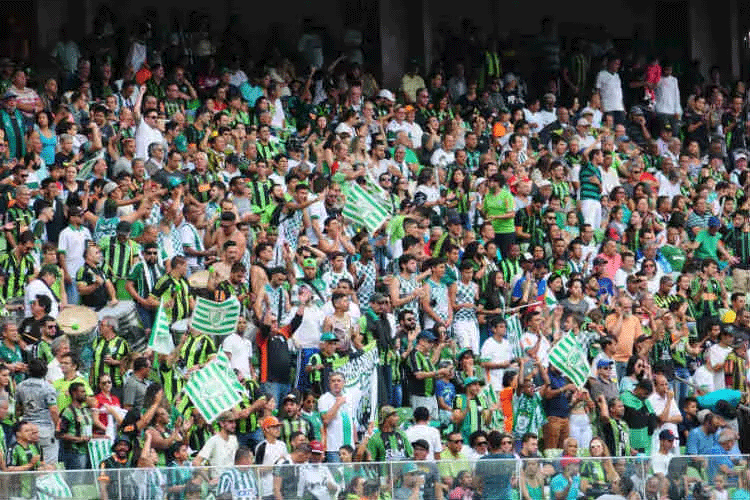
663,453
12,123
388,442
707,293
141,280
604,384
469,415
269,451
566,485
110,485
292,422
120,254
421,373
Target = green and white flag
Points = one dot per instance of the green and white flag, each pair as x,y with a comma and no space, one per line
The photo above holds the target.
514,332
161,338
99,450
215,318
367,208
211,392
566,356
52,487
223,361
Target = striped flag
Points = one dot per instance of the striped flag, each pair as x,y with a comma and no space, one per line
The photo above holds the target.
215,318
161,338
488,398
99,450
513,333
567,357
52,487
366,207
223,361
211,391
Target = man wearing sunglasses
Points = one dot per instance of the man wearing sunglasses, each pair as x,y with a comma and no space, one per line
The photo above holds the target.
141,281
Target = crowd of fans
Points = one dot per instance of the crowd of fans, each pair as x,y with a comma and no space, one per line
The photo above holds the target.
588,199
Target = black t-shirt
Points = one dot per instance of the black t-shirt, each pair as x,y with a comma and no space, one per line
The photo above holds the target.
279,359
99,297
30,330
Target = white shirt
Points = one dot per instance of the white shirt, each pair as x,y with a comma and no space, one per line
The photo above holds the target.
668,96
144,136
659,403
660,461
610,88
219,453
308,333
415,134
54,373
533,119
442,158
73,243
546,117
335,429
429,434
621,277
241,350
268,454
528,341
718,354
496,352
38,287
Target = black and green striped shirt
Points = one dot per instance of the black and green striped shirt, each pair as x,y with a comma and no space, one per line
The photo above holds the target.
200,185
22,217
249,424
169,287
589,190
145,283
418,362
119,256
18,271
118,348
196,350
291,425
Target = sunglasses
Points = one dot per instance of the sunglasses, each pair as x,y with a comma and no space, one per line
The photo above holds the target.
455,440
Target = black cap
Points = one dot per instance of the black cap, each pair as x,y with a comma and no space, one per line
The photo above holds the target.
421,443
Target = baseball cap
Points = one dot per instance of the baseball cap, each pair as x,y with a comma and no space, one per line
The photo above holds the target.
666,434
387,411
316,447
714,221
310,262
604,363
123,227
328,337
740,155
470,380
427,335
387,94
270,422
636,110
76,211
583,122
569,460
109,187
421,443
289,397
600,260
453,220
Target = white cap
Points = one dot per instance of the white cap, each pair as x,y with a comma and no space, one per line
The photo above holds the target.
387,94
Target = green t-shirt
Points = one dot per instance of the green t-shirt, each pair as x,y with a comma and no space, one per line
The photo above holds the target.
62,386
708,245
77,422
500,204
675,256
388,446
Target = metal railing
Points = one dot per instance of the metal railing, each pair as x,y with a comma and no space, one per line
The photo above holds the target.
687,477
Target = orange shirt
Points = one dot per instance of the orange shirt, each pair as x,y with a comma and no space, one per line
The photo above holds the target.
631,330
506,398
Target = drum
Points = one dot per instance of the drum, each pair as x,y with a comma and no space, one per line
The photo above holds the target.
178,329
128,324
199,284
79,324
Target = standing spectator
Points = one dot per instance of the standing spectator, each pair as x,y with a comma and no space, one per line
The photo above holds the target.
609,85
72,243
423,431
220,449
36,402
239,481
559,395
134,390
76,429
110,355
388,442
421,373
337,412
268,452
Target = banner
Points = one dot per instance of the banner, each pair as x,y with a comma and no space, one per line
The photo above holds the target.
366,208
215,318
161,338
567,357
514,332
361,375
52,487
223,361
99,451
211,391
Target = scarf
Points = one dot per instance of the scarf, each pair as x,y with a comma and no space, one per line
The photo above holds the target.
16,142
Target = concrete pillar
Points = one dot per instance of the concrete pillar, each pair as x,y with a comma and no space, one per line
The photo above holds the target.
393,41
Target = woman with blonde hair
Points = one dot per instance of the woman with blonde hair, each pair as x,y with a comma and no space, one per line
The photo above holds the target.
598,472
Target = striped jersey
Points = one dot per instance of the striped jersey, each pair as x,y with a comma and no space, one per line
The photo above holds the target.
589,190
19,272
117,348
119,256
237,484
168,287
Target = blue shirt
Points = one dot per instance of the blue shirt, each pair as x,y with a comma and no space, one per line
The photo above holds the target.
560,482
541,288
445,390
700,444
559,406
714,463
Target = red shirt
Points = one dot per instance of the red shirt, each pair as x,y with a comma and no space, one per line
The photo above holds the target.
101,400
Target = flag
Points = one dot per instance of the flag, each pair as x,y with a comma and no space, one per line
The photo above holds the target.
85,172
369,209
211,392
488,398
161,338
513,332
223,361
215,318
52,487
99,450
567,357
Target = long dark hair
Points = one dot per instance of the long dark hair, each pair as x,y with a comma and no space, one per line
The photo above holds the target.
491,294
